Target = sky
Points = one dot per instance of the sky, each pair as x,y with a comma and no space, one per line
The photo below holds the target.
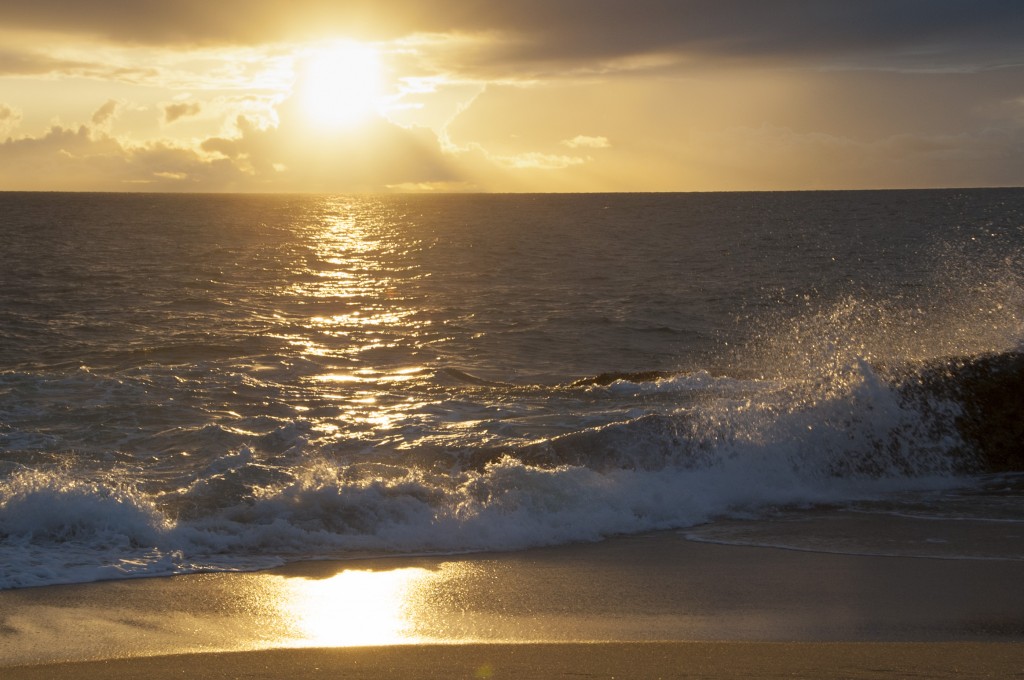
532,95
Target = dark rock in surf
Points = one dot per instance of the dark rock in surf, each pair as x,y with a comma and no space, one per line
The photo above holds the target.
990,392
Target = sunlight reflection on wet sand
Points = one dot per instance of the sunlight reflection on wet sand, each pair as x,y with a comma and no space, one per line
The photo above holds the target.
309,606
353,607
642,588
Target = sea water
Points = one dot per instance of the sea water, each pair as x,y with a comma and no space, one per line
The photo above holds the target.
221,382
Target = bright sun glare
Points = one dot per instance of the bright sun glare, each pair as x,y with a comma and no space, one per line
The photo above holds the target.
340,84
354,607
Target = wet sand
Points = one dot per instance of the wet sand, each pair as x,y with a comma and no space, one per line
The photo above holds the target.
595,660
641,606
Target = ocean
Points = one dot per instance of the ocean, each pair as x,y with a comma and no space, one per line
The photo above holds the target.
231,382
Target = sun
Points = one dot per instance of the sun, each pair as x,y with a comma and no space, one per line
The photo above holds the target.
340,84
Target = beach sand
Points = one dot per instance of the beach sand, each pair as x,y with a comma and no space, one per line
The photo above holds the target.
567,660
640,606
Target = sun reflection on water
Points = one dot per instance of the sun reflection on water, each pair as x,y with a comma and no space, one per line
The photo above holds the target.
362,337
352,283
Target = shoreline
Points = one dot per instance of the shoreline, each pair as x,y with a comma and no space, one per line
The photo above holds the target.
618,598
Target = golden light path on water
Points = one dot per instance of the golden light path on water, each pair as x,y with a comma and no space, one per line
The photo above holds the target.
359,323
351,282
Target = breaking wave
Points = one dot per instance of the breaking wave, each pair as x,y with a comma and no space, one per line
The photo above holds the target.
736,448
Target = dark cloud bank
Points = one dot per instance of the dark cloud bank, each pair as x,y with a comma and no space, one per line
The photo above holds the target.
913,33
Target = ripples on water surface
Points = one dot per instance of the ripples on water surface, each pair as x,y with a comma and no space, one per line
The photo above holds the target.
229,381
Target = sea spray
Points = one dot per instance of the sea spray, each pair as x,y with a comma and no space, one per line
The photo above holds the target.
331,377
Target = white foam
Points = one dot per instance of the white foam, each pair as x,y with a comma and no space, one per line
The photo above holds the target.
727,458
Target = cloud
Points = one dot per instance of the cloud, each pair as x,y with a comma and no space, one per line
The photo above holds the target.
106,114
537,161
173,112
259,157
778,158
514,94
381,156
87,159
587,142
10,118
541,35
296,157
26,63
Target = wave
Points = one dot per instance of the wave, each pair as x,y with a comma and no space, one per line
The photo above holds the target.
621,377
732,448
